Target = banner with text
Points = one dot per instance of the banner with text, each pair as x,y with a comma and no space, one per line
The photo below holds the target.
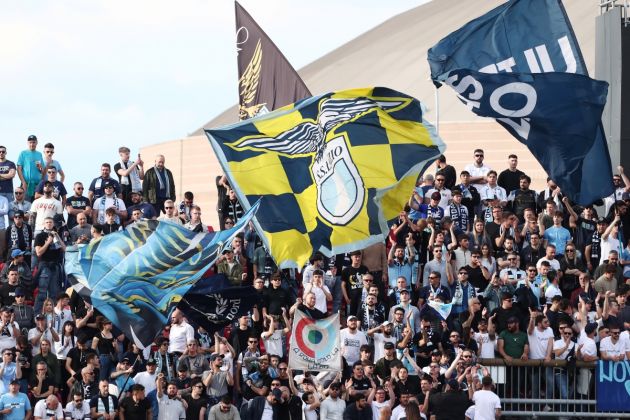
315,343
613,385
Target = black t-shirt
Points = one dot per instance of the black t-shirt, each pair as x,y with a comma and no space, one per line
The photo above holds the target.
53,253
46,384
352,277
78,358
194,405
77,202
135,410
449,405
509,180
476,278
504,314
7,294
362,384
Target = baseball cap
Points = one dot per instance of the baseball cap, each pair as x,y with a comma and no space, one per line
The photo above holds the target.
14,381
107,184
436,352
404,291
125,359
136,191
18,213
386,323
40,316
19,292
352,318
32,137
456,191
215,356
151,362
602,221
226,250
389,345
17,252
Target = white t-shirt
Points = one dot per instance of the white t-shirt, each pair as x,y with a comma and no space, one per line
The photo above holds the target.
613,349
476,171
379,343
559,344
555,264
488,348
551,291
351,344
589,348
42,411
179,336
538,342
273,343
47,207
486,402
320,297
488,192
609,244
267,412
310,414
103,203
146,379
398,412
332,409
376,409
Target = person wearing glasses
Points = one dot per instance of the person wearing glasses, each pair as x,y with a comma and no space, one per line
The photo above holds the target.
7,173
86,386
198,402
170,213
512,273
77,408
78,204
612,347
216,380
478,170
59,190
563,349
19,203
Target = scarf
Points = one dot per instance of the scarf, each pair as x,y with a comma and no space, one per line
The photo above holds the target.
14,236
101,212
157,356
164,184
133,178
101,406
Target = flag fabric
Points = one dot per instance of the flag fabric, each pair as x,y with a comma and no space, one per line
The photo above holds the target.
212,303
267,80
136,277
315,343
530,37
437,309
330,170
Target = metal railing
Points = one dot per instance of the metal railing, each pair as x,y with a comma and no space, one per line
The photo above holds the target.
546,389
605,5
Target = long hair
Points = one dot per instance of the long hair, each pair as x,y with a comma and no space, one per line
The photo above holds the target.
412,411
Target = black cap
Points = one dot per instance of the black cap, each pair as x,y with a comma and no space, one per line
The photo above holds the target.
151,362
125,359
389,345
19,292
215,356
436,352
512,319
108,184
19,213
14,381
40,316
32,137
602,221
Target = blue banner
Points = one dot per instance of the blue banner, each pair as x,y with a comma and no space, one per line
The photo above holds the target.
613,385
531,37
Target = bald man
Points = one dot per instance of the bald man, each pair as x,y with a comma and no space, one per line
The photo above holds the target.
158,185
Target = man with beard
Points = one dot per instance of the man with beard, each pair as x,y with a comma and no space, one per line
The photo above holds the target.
171,405
104,405
135,406
351,341
370,315
352,283
137,203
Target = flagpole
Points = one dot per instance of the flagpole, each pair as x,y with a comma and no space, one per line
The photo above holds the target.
437,109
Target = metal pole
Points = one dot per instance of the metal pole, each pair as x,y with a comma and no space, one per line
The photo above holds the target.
437,109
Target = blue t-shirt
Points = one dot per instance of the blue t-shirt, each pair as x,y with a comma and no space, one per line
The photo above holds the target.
7,376
147,210
28,161
19,404
558,236
58,189
6,185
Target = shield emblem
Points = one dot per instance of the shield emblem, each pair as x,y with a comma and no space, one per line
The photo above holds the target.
340,189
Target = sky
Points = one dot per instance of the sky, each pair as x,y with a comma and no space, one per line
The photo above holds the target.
92,76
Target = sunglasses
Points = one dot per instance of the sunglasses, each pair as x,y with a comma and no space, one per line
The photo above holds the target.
478,155
433,277
252,342
169,207
531,270
229,222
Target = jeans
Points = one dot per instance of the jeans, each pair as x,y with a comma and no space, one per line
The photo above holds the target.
561,377
49,284
107,366
537,382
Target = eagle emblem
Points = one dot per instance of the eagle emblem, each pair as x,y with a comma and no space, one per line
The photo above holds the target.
248,86
340,188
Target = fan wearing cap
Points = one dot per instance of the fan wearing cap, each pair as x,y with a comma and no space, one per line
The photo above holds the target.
29,167
352,339
19,234
146,210
15,404
216,380
59,191
513,343
106,201
352,282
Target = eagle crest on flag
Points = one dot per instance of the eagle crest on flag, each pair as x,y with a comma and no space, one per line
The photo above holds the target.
248,84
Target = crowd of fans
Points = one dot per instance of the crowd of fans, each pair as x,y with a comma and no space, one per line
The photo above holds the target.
528,275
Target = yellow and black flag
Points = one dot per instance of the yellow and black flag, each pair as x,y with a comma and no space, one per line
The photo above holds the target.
331,170
266,79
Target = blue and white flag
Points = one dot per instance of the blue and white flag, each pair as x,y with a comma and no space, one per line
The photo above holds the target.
136,277
528,38
437,309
